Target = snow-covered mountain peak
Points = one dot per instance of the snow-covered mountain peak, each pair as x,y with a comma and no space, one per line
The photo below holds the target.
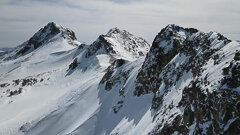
53,29
176,31
120,44
49,33
186,69
188,83
115,30
49,36
173,27
178,28
52,25
173,40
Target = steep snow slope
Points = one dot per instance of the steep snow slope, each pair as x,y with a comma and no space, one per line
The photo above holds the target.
28,80
54,88
50,33
94,105
47,45
187,84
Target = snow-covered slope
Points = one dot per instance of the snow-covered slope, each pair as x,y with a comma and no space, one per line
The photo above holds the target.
119,44
195,78
38,54
188,83
59,83
45,36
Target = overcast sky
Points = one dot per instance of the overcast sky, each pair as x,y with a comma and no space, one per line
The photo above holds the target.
20,19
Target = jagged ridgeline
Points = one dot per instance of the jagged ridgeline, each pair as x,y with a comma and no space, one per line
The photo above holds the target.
186,82
166,45
119,43
199,75
45,34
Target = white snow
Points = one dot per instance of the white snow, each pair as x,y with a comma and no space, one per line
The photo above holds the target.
67,101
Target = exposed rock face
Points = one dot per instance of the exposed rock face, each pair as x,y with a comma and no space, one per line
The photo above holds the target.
187,68
74,64
115,75
97,45
45,35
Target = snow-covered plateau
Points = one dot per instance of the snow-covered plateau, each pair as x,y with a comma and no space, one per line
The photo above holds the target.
186,82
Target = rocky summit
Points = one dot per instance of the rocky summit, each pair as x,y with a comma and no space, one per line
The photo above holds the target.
186,82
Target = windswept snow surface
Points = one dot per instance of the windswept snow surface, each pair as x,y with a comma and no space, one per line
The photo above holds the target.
55,99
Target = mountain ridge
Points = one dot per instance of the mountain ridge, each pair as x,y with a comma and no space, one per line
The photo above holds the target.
198,53
186,82
120,42
45,34
49,33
